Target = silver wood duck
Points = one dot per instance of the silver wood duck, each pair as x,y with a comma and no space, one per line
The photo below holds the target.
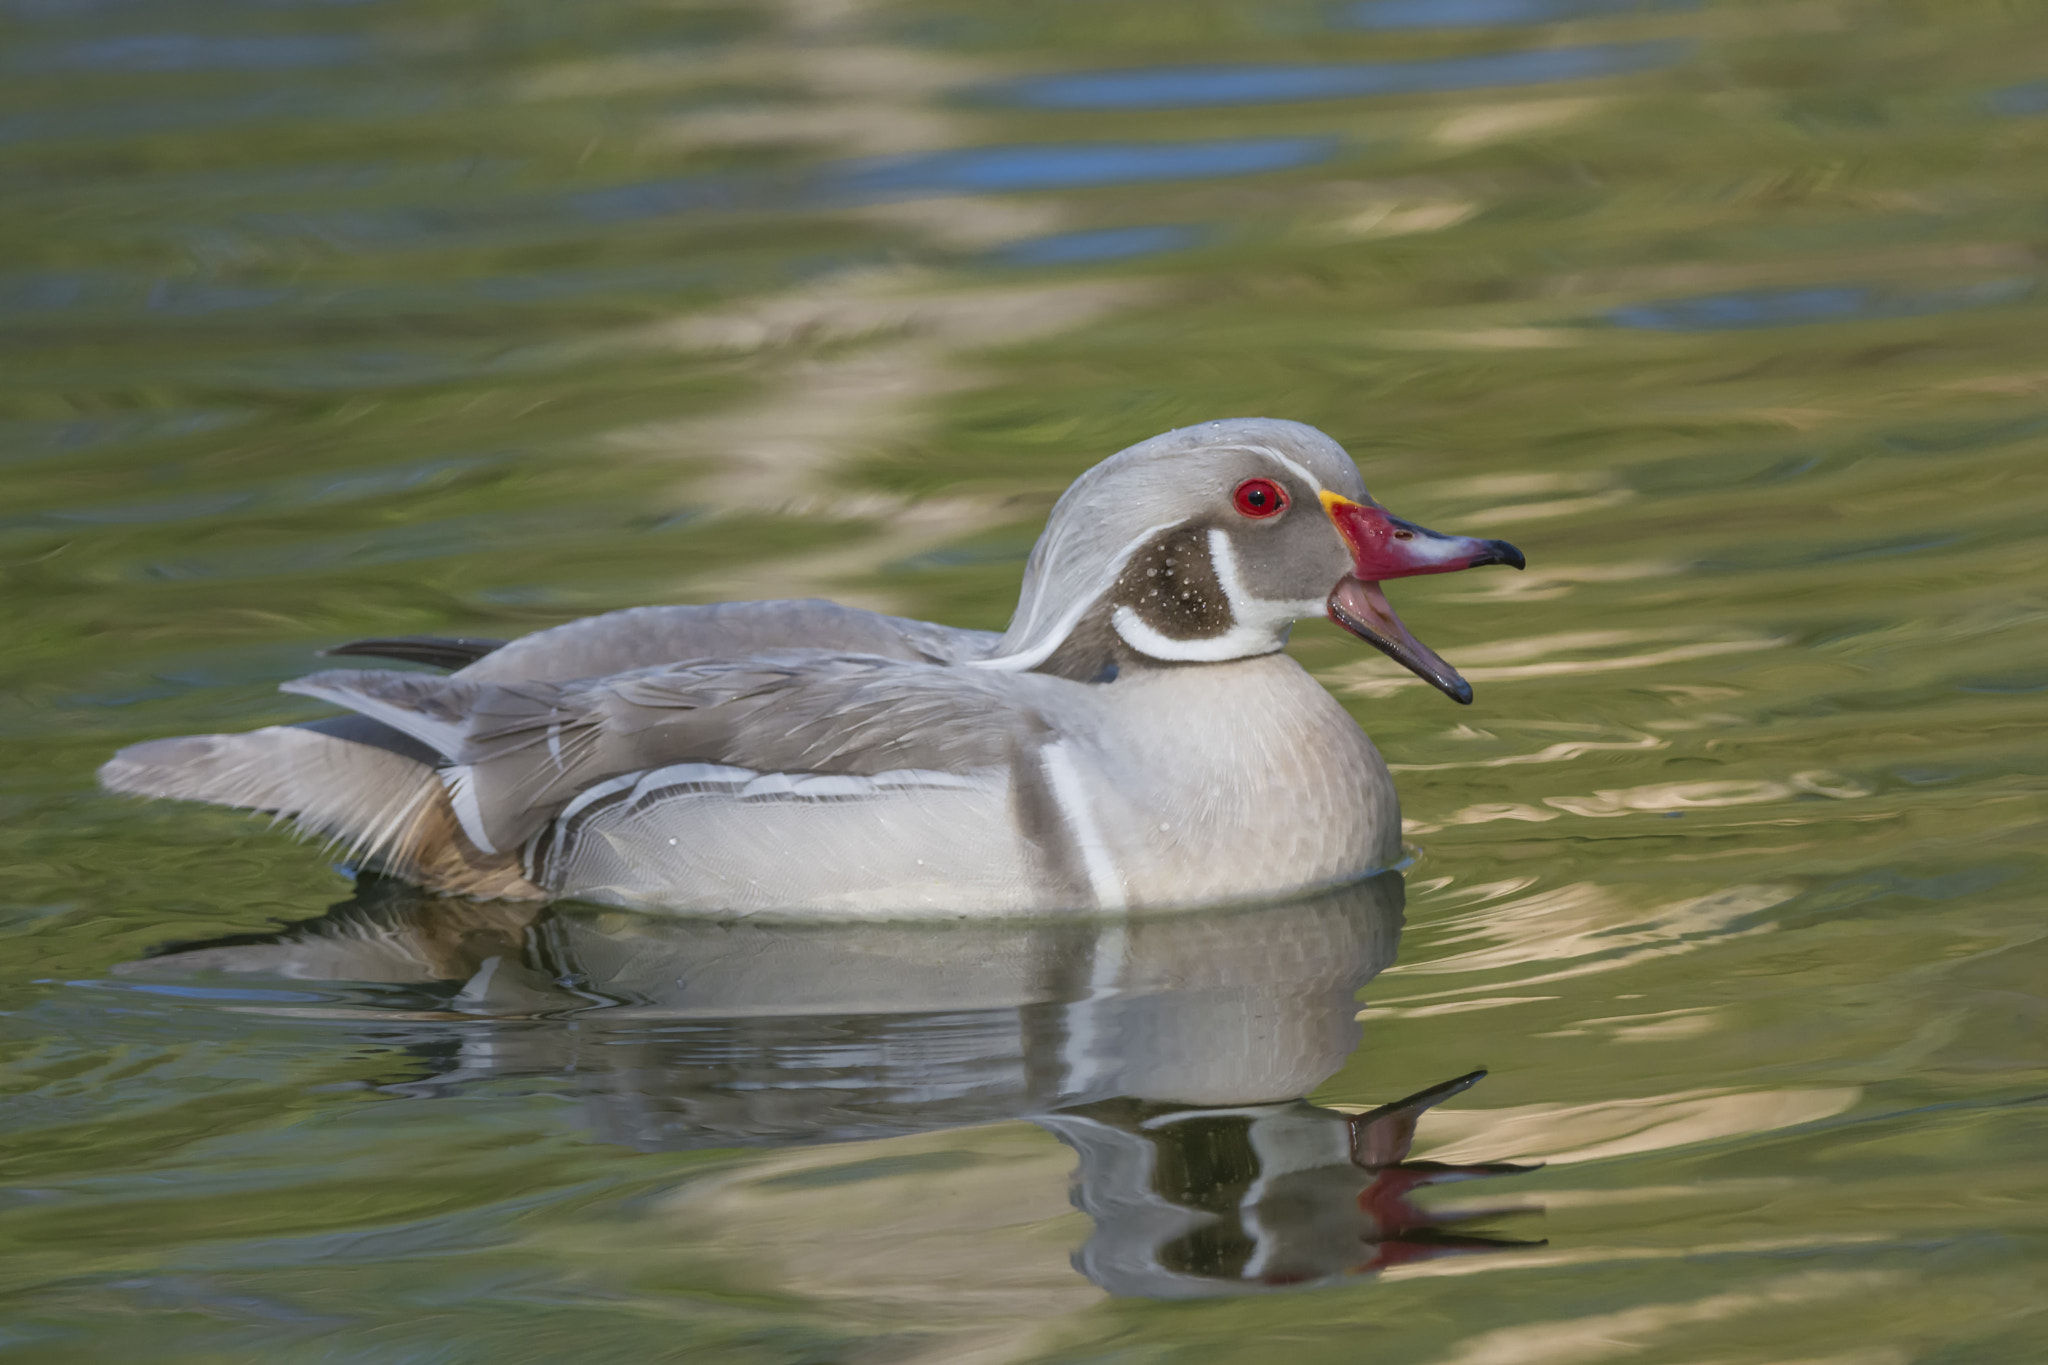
1136,738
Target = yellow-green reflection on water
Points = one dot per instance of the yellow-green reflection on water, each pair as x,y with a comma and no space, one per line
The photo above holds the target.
329,321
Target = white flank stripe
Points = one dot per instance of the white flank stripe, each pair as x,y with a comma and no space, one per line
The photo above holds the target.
590,794
1072,796
685,774
924,777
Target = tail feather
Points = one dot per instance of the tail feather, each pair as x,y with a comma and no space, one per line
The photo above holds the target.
385,809
537,743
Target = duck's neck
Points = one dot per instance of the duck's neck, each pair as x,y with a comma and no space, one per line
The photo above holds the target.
1095,651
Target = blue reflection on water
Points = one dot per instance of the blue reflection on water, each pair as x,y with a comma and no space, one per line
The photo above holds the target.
1196,87
1100,244
1820,303
963,170
1062,166
2021,100
651,199
1761,308
58,11
31,439
1490,13
227,993
95,294
958,171
272,105
314,491
196,52
2016,684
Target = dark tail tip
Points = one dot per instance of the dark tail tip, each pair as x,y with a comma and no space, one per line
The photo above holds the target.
436,651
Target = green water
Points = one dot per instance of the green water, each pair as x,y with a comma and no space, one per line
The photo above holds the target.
324,320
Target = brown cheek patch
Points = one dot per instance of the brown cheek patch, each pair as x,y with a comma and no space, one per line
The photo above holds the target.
1172,585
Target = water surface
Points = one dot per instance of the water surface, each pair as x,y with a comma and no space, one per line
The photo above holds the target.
324,320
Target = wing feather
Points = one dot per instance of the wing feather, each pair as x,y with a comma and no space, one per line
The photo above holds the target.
515,753
648,637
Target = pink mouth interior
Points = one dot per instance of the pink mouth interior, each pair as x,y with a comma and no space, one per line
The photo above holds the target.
1362,608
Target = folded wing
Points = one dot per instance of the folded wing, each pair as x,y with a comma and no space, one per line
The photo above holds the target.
514,754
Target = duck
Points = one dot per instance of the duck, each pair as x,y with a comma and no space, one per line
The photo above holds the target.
1136,738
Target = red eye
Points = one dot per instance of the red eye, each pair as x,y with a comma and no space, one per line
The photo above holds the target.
1260,498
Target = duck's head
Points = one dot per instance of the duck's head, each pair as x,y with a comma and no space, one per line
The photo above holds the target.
1208,543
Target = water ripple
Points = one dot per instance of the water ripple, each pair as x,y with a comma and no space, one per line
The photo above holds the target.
1205,87
139,53
1101,244
1405,14
1811,304
1065,166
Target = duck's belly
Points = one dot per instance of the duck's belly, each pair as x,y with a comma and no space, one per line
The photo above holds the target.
709,838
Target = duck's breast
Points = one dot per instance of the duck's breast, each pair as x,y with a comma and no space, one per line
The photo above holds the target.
1237,781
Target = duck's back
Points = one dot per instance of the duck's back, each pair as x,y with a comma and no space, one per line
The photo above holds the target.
642,637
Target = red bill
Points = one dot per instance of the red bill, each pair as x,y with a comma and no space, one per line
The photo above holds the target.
1384,546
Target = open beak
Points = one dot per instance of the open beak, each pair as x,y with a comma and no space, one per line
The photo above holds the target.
1383,546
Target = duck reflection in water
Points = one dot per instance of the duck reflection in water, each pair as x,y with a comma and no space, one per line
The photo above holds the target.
1170,1052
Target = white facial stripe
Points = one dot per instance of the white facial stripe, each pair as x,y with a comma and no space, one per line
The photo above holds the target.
1258,620
1223,559
1246,609
1315,484
1239,642
1031,658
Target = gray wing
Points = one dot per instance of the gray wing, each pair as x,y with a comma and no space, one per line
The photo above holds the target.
519,751
642,637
